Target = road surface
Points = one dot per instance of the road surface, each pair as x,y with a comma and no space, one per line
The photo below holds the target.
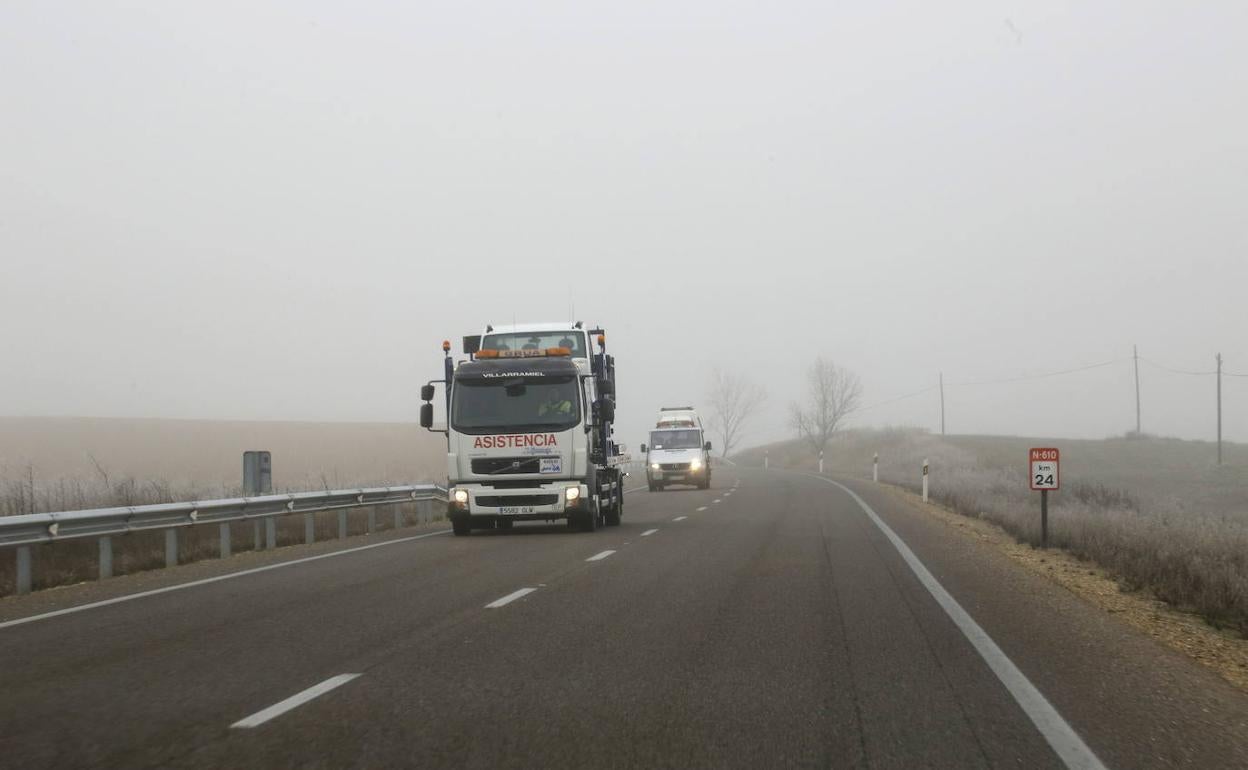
771,621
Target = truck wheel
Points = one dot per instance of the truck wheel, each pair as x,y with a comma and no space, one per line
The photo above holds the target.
461,525
588,520
612,517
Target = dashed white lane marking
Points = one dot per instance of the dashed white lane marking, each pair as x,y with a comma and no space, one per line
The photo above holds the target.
294,701
509,598
715,502
648,532
1064,741
680,518
600,556
217,579
703,508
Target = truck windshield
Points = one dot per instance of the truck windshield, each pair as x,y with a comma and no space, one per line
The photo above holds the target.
573,340
515,405
675,439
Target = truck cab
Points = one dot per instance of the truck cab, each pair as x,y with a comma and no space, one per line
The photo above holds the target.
529,418
678,452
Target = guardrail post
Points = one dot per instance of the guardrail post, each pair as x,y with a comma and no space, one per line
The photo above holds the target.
225,541
309,528
424,511
270,532
398,515
342,525
171,547
106,557
372,520
23,569
259,539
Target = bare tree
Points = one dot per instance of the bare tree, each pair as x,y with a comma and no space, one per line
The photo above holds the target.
733,399
834,392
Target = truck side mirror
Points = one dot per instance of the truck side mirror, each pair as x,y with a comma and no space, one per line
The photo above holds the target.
606,388
607,411
426,392
472,344
643,449
708,446
426,414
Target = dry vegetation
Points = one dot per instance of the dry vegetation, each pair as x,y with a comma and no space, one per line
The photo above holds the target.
63,464
1157,513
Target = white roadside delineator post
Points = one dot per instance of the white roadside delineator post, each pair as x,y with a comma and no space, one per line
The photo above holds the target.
875,468
925,479
820,462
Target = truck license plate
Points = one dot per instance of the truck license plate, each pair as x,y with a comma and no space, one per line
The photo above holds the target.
516,509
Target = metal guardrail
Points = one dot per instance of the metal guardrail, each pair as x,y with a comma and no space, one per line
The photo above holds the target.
26,530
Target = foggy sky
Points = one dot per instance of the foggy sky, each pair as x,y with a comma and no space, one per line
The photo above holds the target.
278,210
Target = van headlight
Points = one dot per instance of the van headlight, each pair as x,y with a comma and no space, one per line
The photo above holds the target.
461,496
695,465
572,493
654,466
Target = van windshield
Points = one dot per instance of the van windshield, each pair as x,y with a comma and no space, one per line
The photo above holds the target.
675,439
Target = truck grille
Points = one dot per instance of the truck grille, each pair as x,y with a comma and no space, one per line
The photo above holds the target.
496,501
507,465
675,466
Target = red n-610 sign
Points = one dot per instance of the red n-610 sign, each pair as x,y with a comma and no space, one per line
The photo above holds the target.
1044,469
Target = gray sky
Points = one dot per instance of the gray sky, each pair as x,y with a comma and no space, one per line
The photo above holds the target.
278,210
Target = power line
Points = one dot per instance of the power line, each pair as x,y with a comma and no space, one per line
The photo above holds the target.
1172,370
1040,376
927,389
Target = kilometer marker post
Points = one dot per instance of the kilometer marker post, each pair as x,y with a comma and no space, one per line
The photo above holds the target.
1044,475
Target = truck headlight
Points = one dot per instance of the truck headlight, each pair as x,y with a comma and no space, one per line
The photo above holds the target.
461,496
572,493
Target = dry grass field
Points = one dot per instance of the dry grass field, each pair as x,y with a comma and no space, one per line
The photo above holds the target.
1157,513
89,462
57,464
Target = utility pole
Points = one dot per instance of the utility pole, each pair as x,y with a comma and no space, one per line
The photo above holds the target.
1219,359
942,403
1136,350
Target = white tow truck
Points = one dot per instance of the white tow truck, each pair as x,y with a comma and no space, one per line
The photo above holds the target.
529,425
678,452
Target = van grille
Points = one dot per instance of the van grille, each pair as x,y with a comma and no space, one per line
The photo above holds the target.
675,466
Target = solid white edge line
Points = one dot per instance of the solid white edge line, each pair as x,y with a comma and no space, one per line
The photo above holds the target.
600,556
1063,739
680,518
294,701
648,532
634,489
216,579
509,598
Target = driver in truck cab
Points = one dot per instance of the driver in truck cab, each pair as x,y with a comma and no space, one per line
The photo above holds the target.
554,405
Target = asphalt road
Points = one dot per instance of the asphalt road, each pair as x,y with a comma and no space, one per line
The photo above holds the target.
768,622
